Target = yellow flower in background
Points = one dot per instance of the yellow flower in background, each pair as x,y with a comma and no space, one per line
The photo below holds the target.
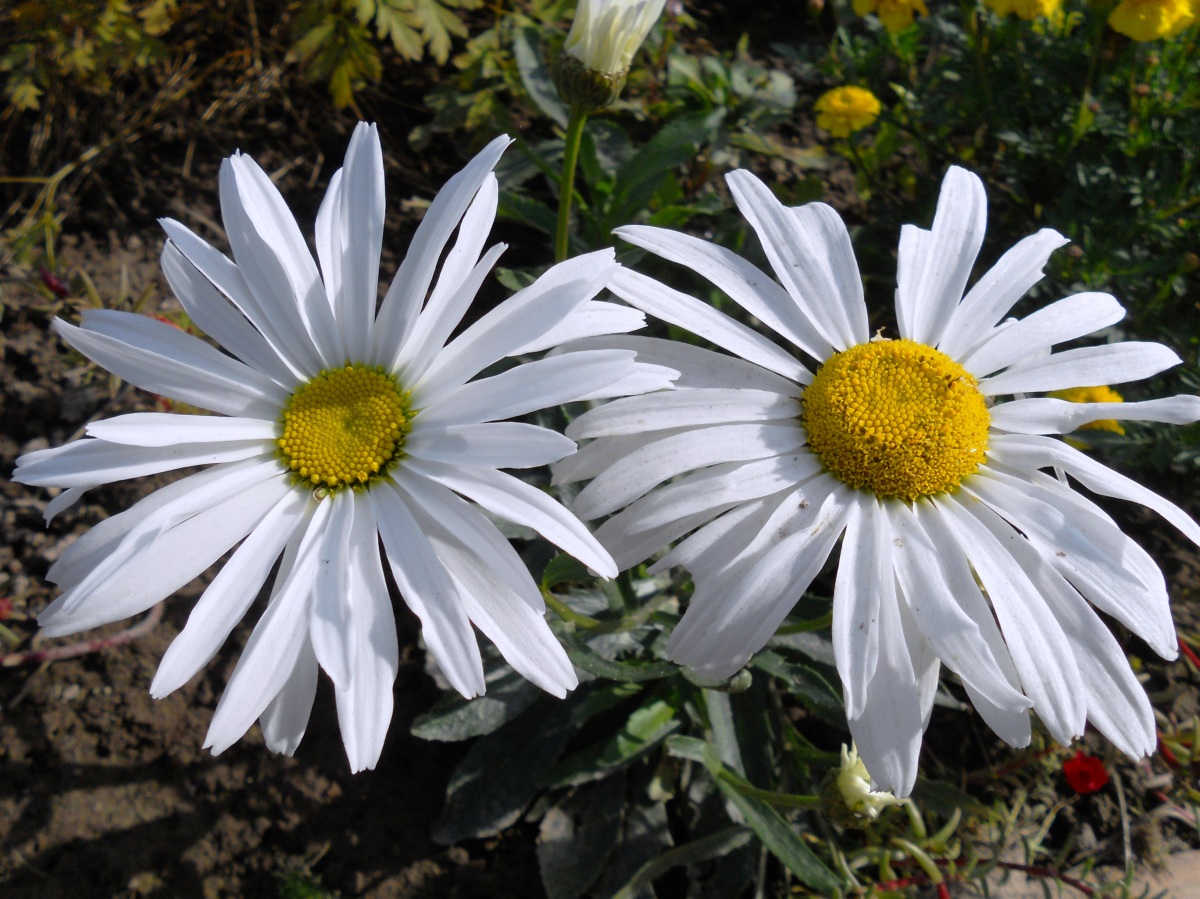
1149,20
1101,394
896,15
845,110
1026,9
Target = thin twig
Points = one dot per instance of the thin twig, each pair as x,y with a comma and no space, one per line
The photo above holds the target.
84,647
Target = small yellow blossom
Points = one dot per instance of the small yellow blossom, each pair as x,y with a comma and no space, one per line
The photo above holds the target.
1026,9
845,110
1149,20
1100,394
896,15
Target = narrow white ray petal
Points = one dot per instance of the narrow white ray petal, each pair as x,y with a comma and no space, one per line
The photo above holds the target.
711,539
639,471
949,630
512,499
888,730
799,244
1044,415
993,295
1116,363
705,321
476,531
746,284
217,317
856,598
330,237
362,208
1014,728
221,271
277,639
526,388
933,266
408,289
62,502
160,565
330,627
518,631
427,589
717,638
697,366
1049,672
365,706
218,383
434,326
629,548
515,322
594,318
505,444
90,462
266,274
1076,316
167,429
229,596
1107,567
285,719
1030,452
678,408
599,455
641,379
473,233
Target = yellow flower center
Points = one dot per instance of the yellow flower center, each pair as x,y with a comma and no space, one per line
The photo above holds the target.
344,427
897,418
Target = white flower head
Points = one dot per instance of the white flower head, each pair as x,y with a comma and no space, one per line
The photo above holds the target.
855,787
920,454
605,34
337,428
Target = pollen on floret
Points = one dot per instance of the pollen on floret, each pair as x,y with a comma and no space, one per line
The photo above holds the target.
896,417
344,427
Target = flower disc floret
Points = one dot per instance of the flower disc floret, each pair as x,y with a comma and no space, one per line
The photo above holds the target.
344,427
897,418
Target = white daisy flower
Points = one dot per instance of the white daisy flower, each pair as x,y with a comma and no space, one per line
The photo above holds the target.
605,34
959,547
337,427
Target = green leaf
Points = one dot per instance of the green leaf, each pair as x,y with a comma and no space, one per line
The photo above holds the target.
582,656
807,684
454,718
577,836
645,835
498,778
526,210
714,845
527,49
644,729
564,569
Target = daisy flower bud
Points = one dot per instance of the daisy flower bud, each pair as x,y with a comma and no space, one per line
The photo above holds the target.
600,46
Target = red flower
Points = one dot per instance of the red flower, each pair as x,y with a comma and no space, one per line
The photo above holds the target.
1085,773
6,606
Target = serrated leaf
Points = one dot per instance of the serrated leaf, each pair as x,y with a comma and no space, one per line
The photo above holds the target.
454,718
577,836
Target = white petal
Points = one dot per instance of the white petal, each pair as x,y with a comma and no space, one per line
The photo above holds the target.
678,408
220,319
856,599
1038,647
641,379
214,382
593,319
949,630
721,542
277,639
640,470
167,429
285,718
473,233
503,495
528,387
62,502
229,596
1076,316
595,457
331,235
703,320
362,208
629,548
398,314
1044,415
333,637
1028,453
933,266
365,707
427,590
748,286
1116,363
515,322
998,291
493,445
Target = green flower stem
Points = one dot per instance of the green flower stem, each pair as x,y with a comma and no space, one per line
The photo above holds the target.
597,626
566,187
813,624
780,800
